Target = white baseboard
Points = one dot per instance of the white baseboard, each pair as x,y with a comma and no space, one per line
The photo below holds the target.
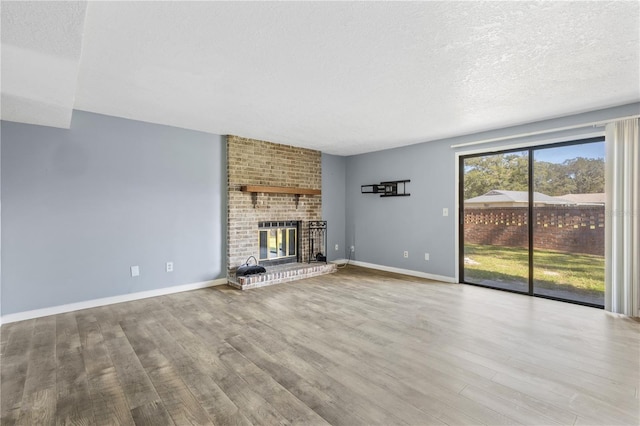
37,313
409,272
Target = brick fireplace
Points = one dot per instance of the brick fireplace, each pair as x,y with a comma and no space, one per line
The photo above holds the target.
253,162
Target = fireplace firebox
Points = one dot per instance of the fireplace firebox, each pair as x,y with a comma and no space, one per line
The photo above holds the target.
279,242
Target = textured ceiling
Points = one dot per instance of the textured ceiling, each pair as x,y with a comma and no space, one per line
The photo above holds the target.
344,78
40,59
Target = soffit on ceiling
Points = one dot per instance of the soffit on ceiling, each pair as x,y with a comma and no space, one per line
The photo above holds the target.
41,44
347,77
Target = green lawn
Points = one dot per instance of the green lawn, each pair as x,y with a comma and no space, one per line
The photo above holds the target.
579,273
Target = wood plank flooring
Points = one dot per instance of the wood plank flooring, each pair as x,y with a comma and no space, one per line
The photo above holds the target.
358,347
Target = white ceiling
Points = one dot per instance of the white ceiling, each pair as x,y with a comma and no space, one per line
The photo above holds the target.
344,78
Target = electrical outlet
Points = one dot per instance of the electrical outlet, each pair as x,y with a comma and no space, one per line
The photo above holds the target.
445,212
337,247
406,254
135,271
426,256
353,248
169,267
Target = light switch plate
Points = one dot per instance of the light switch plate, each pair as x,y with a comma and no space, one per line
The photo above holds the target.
135,271
445,212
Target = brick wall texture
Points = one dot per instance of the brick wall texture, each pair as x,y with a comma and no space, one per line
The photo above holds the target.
254,162
578,229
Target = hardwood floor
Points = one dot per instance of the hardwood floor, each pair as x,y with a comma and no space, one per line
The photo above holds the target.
356,347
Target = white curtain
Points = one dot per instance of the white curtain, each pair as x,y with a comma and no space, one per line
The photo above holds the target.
622,223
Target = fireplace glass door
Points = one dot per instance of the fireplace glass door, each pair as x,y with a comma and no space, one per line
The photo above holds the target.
278,242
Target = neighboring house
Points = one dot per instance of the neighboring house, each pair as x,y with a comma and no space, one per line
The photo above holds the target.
500,198
584,199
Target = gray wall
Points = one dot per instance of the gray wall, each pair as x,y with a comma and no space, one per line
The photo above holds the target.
381,229
0,221
333,203
81,206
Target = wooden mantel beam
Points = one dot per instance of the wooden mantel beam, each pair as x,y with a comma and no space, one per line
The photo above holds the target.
279,190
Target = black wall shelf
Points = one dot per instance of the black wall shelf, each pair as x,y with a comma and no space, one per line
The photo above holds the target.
394,188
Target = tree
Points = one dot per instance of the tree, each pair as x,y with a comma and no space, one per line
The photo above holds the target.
587,173
510,172
552,179
500,171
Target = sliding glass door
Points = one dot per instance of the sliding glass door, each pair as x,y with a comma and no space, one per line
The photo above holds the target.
559,253
496,214
568,234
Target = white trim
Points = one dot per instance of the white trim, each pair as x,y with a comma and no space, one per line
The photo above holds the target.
542,132
61,309
532,143
340,261
403,271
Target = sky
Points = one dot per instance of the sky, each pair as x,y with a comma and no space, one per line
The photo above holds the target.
560,154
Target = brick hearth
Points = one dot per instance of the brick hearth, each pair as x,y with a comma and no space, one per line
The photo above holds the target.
282,274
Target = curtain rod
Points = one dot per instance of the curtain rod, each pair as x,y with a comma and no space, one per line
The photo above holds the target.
541,132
